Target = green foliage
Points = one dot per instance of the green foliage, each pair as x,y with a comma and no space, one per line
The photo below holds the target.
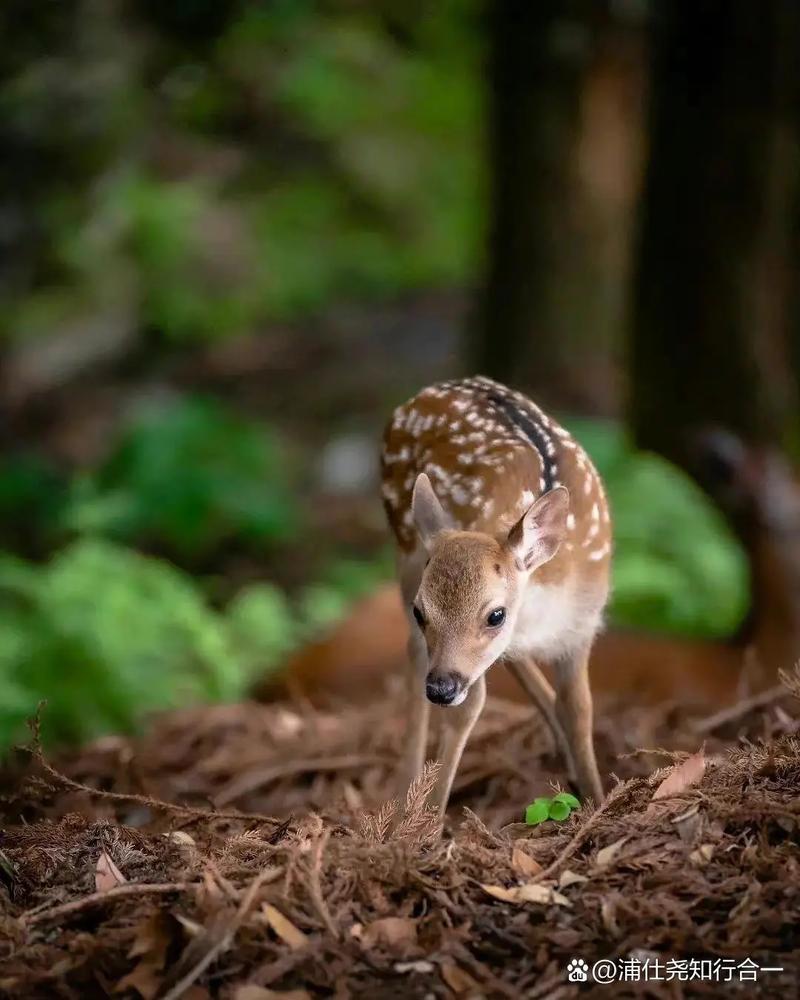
399,122
33,498
327,600
677,566
308,154
107,635
558,807
184,291
190,476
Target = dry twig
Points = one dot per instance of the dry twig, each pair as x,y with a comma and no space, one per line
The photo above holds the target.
735,712
222,943
108,896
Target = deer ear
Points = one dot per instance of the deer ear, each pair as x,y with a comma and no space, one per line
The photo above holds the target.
535,538
428,513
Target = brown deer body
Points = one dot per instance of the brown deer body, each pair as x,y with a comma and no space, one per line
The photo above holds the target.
504,548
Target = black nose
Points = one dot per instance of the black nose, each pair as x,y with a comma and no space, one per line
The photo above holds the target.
441,689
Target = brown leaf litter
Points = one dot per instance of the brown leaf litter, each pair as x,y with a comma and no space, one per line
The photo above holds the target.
253,852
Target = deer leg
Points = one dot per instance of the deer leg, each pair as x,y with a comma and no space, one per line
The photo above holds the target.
457,724
537,687
574,711
418,714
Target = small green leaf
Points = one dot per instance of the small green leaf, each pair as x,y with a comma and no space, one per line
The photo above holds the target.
568,799
558,810
537,812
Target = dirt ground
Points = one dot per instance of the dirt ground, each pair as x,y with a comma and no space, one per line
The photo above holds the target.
248,852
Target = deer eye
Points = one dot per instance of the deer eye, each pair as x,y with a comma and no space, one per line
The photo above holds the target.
496,618
419,618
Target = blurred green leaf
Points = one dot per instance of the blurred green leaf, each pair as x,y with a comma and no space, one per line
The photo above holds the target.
32,497
307,154
107,635
192,476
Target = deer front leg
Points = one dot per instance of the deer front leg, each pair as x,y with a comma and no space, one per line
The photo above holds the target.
574,712
534,683
417,715
457,723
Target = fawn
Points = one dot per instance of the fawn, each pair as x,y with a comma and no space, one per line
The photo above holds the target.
504,546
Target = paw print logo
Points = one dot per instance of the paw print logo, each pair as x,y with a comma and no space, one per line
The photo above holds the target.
577,971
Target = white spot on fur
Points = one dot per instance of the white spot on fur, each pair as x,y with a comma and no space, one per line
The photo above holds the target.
591,534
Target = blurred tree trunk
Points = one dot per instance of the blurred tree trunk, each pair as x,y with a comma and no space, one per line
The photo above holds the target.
711,322
564,114
713,338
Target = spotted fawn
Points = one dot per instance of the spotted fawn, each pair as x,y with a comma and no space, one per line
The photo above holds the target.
504,547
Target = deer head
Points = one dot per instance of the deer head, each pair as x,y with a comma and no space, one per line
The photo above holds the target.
472,586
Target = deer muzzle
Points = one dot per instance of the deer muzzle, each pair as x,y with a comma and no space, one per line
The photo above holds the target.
445,688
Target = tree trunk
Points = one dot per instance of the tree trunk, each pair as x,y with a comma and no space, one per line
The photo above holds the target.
565,94
711,383
710,343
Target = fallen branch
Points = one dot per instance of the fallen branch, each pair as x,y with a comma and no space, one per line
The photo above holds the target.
110,895
223,943
315,887
253,780
193,812
791,681
739,710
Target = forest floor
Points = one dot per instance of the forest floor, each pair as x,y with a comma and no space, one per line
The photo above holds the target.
245,852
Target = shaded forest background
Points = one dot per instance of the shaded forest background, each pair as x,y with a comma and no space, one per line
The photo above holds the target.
234,235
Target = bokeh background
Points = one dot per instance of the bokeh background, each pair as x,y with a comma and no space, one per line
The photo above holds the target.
234,234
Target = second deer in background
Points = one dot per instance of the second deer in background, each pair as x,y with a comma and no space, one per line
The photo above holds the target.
504,548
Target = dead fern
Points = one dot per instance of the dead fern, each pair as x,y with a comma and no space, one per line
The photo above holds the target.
780,755
420,823
375,827
791,681
417,824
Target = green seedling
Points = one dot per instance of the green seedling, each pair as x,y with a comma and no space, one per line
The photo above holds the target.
558,808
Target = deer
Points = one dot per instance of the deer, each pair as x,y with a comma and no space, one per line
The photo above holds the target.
759,492
503,541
